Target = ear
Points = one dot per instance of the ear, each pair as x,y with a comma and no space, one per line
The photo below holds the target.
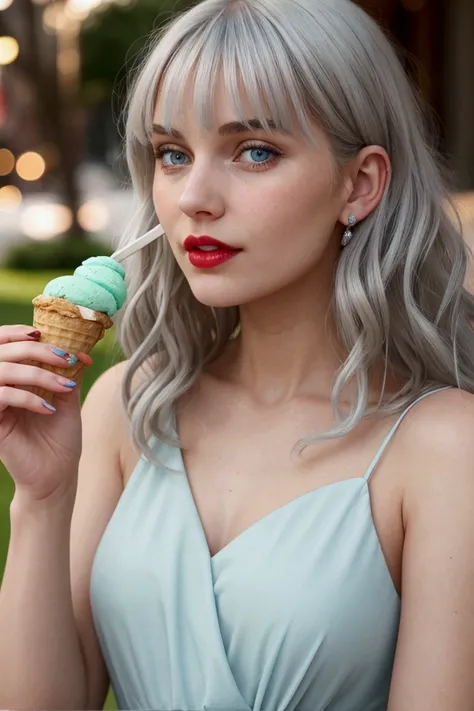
366,180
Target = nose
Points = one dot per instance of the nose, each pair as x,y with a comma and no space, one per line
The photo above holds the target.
202,193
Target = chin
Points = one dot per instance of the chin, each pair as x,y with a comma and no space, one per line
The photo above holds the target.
224,295
215,298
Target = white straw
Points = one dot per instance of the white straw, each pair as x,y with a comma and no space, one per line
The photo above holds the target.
137,244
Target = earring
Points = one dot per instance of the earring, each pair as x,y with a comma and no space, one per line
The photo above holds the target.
347,236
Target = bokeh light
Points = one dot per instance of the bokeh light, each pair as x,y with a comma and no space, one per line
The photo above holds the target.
93,216
45,221
54,17
5,4
7,161
10,198
82,8
9,50
30,166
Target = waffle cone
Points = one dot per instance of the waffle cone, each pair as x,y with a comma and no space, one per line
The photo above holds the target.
64,325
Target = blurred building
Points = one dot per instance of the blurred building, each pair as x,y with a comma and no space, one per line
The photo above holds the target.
438,36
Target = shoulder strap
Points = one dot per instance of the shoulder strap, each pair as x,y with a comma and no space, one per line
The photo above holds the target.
395,427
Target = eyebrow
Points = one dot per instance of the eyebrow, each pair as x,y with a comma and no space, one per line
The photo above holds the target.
228,129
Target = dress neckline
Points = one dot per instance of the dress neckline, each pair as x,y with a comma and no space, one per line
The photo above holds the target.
360,482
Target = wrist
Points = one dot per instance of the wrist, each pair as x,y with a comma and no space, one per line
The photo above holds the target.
24,503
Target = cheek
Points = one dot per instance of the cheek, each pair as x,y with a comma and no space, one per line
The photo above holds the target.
161,197
296,204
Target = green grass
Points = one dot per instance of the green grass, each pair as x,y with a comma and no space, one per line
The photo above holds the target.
17,289
23,286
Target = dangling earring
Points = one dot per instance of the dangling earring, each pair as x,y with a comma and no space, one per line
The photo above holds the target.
347,236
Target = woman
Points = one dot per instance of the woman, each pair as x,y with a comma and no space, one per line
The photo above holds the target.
292,458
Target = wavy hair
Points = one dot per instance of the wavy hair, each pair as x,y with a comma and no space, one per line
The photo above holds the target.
399,295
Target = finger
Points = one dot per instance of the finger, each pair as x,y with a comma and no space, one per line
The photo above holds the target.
22,399
67,399
12,334
85,359
19,352
20,375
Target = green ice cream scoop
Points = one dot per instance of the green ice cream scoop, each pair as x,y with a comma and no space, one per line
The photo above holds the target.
98,284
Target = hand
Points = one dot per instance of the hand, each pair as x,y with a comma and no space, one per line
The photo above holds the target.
40,447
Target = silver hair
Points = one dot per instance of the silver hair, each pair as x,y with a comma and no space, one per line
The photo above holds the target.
399,293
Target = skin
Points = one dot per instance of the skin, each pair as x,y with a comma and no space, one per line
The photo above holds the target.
217,186
288,216
268,390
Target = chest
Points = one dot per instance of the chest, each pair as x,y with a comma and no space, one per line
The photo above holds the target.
267,620
242,468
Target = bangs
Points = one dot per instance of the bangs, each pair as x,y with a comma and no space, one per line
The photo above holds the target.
242,50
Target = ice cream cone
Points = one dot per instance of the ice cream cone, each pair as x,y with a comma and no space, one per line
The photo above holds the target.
74,329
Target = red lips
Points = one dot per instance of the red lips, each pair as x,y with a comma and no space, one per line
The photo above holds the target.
205,259
193,242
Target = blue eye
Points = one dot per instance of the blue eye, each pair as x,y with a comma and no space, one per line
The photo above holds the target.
259,155
176,157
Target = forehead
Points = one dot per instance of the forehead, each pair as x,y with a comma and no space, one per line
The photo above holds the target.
221,109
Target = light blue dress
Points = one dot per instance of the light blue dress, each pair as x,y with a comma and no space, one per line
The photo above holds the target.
298,613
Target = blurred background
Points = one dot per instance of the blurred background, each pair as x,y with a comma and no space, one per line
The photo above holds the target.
64,191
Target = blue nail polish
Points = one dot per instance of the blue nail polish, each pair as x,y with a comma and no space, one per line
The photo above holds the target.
72,360
70,384
48,406
59,352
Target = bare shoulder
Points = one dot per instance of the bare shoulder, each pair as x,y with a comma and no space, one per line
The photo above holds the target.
103,409
108,383
451,407
435,457
105,396
442,420
104,412
436,446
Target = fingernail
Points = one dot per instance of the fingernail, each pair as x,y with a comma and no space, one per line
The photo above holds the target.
71,359
65,382
34,334
48,406
88,359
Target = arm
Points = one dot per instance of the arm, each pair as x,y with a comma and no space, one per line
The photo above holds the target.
99,489
40,659
435,651
49,655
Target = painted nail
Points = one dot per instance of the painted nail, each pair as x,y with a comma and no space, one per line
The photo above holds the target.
71,384
48,406
34,334
71,359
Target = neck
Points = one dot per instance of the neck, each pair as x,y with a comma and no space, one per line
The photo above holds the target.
287,344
